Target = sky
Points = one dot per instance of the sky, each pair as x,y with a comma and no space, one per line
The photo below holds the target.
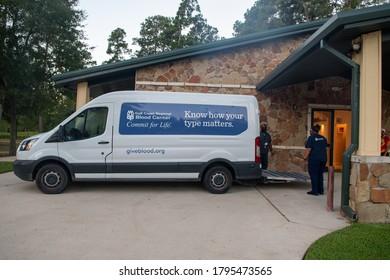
105,16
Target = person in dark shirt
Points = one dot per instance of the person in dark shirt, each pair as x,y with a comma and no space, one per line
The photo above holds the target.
316,155
265,145
385,143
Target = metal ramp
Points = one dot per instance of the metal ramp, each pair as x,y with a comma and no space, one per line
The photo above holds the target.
285,176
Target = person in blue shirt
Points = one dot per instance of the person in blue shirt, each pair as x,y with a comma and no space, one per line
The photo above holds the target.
316,155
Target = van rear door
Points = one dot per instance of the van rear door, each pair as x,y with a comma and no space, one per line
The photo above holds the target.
88,142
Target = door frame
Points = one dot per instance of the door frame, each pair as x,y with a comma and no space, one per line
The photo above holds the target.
327,108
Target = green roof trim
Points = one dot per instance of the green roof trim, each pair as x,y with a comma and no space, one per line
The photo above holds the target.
222,45
367,20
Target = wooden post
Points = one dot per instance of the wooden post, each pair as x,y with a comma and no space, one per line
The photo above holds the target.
82,94
330,189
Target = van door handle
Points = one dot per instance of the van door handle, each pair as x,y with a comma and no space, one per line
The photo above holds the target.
103,142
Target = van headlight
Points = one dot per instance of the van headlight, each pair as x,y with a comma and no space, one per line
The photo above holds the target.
27,144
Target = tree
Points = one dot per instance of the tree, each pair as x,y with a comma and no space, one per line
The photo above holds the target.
38,39
117,46
156,35
258,18
356,4
200,33
268,14
298,11
187,28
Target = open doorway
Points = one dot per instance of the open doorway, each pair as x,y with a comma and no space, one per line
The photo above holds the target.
336,127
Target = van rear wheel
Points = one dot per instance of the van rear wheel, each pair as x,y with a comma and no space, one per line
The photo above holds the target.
218,179
52,179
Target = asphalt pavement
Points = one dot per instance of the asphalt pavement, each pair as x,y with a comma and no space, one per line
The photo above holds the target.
162,221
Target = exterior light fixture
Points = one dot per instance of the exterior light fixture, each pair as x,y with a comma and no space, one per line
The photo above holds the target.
356,45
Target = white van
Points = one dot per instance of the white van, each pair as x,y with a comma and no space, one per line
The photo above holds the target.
148,136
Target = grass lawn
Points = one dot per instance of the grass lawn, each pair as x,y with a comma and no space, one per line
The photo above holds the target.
357,242
6,167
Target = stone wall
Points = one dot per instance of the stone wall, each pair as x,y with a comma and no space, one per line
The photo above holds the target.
215,72
370,189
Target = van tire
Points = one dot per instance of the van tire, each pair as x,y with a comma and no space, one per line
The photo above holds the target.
52,179
218,179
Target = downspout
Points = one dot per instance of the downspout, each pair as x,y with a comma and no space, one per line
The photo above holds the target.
355,106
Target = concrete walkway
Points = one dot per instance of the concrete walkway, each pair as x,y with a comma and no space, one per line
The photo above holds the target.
167,221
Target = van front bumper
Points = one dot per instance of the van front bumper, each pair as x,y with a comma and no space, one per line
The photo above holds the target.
24,169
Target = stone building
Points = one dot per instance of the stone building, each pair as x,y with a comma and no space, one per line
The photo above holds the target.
331,73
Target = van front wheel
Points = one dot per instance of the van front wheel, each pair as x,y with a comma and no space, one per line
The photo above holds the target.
52,179
218,179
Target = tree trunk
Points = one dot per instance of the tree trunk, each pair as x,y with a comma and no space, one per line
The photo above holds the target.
40,124
13,125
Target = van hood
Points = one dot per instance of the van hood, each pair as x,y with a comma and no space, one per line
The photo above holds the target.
35,136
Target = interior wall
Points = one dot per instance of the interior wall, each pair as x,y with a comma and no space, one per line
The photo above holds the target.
342,135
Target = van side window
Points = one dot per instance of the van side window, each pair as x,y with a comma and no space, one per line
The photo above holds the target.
89,123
